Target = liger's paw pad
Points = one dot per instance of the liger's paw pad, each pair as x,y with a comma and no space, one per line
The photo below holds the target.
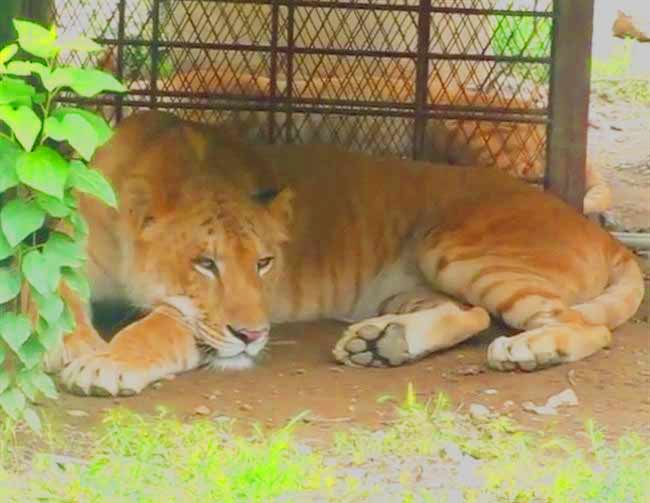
371,346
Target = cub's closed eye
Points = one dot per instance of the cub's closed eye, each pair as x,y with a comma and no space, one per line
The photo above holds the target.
264,263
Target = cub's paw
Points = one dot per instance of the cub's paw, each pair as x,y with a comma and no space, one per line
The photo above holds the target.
373,345
525,352
82,342
101,374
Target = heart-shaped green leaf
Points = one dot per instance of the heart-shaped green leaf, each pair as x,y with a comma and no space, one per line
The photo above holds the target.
23,122
5,249
38,380
9,284
15,329
51,336
13,402
35,39
85,82
52,205
101,127
45,170
83,130
64,251
76,131
91,182
9,155
79,43
77,282
16,92
19,219
79,225
33,421
7,53
50,306
31,353
41,272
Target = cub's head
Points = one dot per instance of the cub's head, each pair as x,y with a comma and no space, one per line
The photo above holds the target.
213,251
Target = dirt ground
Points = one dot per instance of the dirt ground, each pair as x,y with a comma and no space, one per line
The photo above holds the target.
613,386
298,373
619,145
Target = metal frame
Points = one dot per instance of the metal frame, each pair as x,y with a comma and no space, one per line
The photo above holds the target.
568,62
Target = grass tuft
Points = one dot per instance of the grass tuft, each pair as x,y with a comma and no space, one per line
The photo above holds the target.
430,453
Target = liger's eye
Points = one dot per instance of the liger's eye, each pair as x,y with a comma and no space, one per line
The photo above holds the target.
206,265
264,264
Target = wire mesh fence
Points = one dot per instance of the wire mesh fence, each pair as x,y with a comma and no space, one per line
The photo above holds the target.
410,78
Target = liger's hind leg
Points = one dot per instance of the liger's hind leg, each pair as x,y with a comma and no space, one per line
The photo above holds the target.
556,338
411,325
525,296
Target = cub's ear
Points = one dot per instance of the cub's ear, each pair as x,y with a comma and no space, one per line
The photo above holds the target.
281,206
137,204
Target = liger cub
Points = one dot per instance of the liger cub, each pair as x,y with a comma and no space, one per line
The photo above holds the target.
217,240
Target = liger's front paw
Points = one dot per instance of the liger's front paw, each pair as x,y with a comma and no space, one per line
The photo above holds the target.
83,342
373,345
100,374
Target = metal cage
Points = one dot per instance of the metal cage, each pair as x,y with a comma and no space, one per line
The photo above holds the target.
368,74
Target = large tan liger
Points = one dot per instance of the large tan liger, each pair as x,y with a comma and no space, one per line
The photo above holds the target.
516,148
217,240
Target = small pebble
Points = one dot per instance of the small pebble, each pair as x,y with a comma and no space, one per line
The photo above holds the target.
490,391
478,411
201,410
542,410
566,397
469,370
246,407
77,413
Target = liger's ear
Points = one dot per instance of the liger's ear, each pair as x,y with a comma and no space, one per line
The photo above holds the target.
197,141
281,206
137,201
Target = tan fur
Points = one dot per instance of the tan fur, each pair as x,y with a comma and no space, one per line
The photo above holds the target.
355,238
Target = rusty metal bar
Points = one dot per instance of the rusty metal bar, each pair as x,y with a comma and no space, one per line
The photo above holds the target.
326,102
275,15
328,4
421,77
569,100
288,107
154,54
121,26
324,51
290,69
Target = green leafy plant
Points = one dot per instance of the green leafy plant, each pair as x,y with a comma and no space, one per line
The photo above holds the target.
38,186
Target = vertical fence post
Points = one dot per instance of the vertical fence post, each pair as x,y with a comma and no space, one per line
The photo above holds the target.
569,99
155,52
290,54
273,91
421,77
121,29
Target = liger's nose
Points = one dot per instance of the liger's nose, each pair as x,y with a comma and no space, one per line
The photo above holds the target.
249,335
